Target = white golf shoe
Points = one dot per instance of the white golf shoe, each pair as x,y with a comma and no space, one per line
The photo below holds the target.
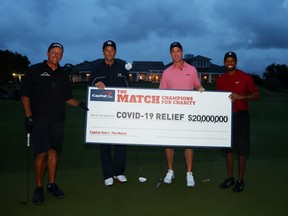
190,179
169,176
108,181
121,178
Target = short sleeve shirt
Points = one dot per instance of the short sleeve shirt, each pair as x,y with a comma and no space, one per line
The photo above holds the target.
48,91
185,78
240,83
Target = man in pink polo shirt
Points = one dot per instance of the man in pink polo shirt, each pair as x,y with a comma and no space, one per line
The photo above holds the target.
183,76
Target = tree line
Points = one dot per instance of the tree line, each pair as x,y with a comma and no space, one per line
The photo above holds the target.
12,63
275,77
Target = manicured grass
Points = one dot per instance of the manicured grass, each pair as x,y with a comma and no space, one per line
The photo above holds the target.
80,176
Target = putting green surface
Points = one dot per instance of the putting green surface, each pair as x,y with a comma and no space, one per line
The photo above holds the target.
85,193
80,176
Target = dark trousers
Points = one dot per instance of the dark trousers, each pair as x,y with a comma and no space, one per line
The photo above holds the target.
240,133
113,165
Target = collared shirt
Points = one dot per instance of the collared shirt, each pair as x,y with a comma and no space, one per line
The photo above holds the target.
240,83
47,90
184,78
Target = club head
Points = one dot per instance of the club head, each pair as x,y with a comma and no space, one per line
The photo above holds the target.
142,179
158,184
206,180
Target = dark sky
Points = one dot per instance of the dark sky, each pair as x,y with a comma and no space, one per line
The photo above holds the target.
257,30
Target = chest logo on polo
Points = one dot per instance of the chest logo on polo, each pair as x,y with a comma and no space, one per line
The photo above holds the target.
45,74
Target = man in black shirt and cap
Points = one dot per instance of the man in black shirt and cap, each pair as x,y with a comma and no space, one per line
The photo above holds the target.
46,89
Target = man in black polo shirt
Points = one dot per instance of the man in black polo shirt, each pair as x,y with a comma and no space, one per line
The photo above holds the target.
45,90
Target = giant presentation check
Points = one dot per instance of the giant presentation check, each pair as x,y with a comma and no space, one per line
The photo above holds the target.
158,117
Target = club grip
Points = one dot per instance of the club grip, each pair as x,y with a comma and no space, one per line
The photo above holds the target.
28,139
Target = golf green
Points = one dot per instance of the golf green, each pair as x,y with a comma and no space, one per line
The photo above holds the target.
80,175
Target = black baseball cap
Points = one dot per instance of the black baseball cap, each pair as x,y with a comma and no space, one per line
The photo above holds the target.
55,44
230,54
175,44
109,43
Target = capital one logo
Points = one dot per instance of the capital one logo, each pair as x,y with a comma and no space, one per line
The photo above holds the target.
102,95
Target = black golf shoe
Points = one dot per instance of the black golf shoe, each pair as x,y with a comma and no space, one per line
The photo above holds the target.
55,190
239,186
227,182
38,196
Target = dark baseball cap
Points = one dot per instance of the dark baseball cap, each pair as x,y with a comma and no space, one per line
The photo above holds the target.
175,44
109,43
230,54
55,44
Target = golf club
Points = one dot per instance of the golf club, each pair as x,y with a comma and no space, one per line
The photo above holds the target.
210,167
141,178
161,168
27,171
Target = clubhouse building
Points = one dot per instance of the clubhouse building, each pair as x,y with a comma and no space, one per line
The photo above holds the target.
151,71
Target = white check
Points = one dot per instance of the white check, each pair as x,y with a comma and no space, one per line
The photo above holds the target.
158,117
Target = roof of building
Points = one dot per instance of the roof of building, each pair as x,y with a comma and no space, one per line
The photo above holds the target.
213,68
89,66
147,65
138,66
199,57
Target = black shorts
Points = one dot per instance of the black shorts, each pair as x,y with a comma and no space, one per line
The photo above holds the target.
240,133
47,135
